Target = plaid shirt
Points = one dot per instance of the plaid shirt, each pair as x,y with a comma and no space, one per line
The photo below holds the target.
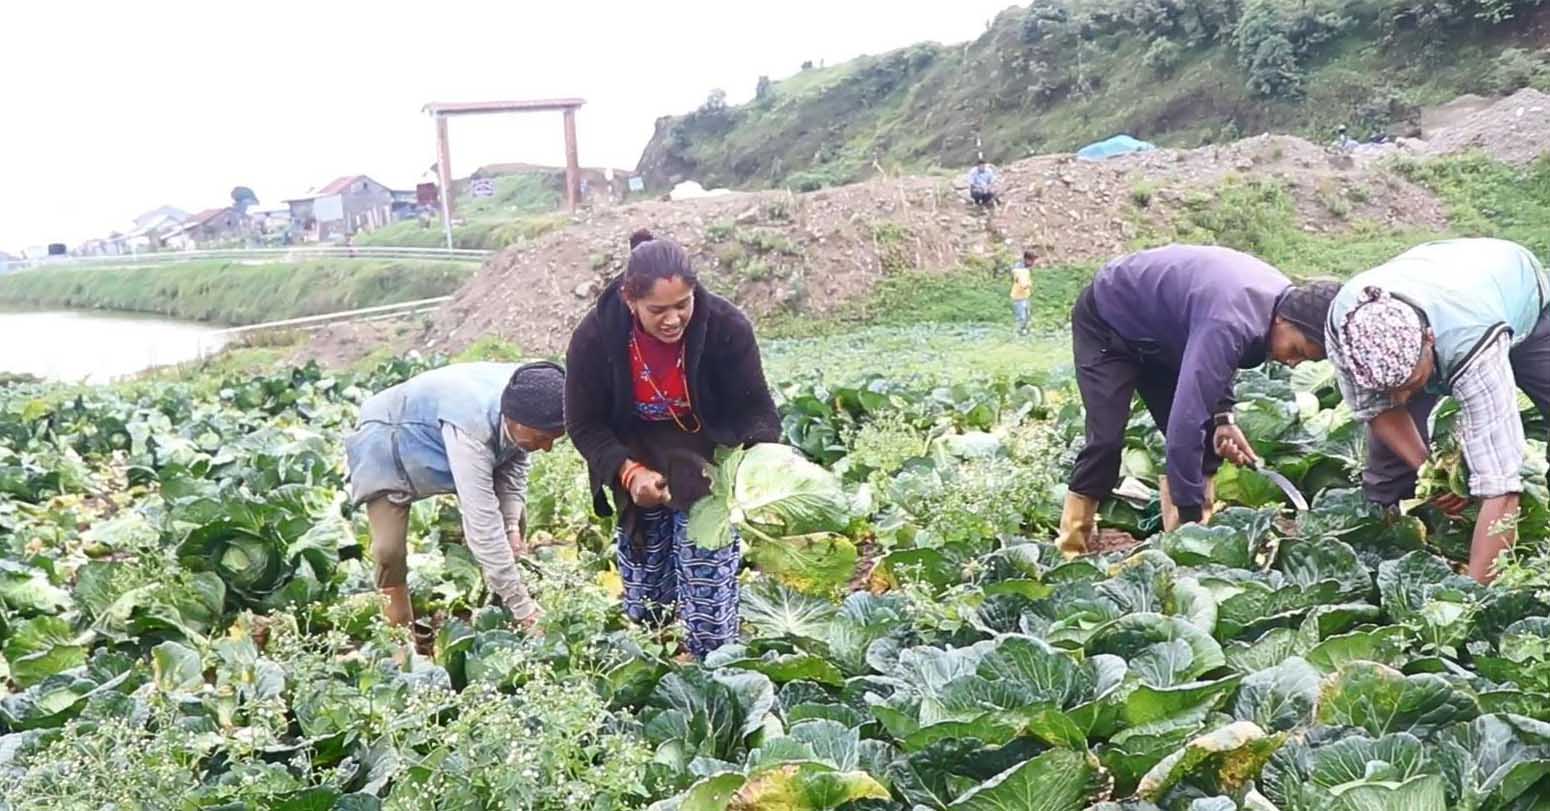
1490,427
1492,431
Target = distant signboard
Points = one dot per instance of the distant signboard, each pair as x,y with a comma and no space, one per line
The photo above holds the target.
637,183
328,209
482,187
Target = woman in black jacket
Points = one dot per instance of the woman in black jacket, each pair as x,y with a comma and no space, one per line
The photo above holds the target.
660,373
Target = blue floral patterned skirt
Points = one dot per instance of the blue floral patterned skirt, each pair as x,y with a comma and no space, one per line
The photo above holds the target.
673,575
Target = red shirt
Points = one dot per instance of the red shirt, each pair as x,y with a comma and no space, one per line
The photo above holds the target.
661,387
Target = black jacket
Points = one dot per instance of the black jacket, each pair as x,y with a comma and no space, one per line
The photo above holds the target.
726,384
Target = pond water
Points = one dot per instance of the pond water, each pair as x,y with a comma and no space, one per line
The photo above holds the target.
96,346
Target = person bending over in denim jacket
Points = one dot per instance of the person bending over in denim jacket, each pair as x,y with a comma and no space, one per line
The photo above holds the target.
466,429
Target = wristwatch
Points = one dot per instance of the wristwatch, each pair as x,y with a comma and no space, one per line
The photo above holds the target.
1224,418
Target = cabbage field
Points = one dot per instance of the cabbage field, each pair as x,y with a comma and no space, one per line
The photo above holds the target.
188,621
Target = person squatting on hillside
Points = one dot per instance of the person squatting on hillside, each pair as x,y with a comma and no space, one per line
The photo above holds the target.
1462,317
1175,324
1022,290
467,429
982,184
662,372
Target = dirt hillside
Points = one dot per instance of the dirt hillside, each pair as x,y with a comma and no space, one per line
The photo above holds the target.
1515,129
816,251
812,253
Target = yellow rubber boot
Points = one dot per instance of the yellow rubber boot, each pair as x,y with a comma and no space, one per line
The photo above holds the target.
1078,520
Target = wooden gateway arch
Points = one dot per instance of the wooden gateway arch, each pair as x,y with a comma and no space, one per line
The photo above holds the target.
442,111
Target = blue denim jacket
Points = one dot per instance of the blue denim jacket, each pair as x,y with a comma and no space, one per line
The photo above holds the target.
399,446
440,432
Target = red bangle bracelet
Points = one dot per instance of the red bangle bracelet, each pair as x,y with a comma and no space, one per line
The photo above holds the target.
631,470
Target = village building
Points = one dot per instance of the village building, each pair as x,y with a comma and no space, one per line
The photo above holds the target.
210,227
343,207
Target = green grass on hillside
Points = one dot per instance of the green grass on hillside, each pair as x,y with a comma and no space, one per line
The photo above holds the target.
1485,198
230,293
524,207
489,234
213,371
1055,75
516,195
1257,216
971,296
814,80
1254,218
927,352
1490,198
939,326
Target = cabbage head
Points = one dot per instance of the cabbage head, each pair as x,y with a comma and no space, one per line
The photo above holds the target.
268,558
767,493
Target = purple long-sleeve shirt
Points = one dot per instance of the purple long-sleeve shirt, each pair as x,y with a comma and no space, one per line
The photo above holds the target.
1205,312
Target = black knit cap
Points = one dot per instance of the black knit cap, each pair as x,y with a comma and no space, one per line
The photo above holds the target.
535,397
1306,307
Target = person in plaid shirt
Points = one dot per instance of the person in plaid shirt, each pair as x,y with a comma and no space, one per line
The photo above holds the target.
1462,317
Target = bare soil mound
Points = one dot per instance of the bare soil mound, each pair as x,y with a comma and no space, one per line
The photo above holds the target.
812,253
778,252
1515,129
1436,119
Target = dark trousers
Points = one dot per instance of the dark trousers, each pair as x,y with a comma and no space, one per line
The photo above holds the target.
1108,372
983,197
1388,480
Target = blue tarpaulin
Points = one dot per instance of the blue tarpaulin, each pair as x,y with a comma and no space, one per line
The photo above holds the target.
1118,145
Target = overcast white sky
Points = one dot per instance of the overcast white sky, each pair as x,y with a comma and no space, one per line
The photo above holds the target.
111,108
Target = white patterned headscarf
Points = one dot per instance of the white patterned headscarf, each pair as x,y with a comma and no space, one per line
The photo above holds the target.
1381,340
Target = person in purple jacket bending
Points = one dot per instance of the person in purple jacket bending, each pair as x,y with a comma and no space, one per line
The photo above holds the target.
1175,324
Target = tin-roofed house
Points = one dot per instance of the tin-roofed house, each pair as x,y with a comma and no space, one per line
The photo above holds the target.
341,208
213,227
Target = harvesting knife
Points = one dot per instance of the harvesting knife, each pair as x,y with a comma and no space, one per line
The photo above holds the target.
1284,483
